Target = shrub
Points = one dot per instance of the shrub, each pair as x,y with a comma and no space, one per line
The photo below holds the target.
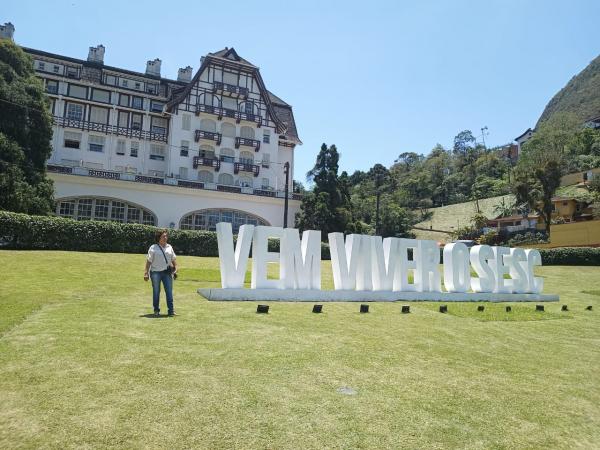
24,232
571,256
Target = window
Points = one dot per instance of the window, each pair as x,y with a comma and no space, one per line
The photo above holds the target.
226,178
249,108
246,158
230,78
101,209
266,136
227,129
124,83
230,103
99,95
72,139
138,86
41,65
52,86
206,151
208,125
124,100
74,111
156,106
245,181
56,69
120,147
133,149
104,209
186,122
226,155
137,102
152,89
96,143
72,72
136,121
98,115
247,132
157,152
206,177
158,125
117,211
207,219
265,183
77,91
111,80
266,160
183,173
185,148
123,119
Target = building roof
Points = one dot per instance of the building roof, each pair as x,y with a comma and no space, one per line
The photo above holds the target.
231,54
528,130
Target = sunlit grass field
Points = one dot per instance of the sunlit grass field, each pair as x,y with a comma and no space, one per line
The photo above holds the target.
82,365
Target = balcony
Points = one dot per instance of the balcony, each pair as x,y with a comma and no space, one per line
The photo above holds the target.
207,135
227,188
230,90
84,125
245,167
207,162
231,113
247,142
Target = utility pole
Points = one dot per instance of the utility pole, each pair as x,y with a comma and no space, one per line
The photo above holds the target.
483,130
286,171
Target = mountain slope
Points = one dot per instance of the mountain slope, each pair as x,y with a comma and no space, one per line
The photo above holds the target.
580,96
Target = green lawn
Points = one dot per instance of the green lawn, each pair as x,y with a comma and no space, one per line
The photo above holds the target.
82,367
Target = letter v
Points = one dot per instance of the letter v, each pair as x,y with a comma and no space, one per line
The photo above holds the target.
233,267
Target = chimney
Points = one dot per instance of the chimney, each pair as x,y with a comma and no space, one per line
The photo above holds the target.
96,54
153,67
185,74
7,31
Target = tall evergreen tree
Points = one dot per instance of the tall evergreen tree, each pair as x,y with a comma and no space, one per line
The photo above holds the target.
25,135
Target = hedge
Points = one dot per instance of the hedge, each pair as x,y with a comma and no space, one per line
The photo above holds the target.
571,256
24,232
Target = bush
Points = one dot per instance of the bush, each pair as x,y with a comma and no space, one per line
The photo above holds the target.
571,256
24,232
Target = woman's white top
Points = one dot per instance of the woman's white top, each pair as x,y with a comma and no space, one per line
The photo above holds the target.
156,258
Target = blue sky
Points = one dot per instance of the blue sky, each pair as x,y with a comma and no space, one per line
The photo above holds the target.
375,78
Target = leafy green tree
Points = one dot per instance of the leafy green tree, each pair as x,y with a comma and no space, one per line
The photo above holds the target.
328,207
25,135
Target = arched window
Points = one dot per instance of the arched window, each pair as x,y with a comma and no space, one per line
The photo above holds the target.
207,151
227,155
208,125
206,177
226,178
248,107
247,132
209,99
207,219
246,157
245,181
228,129
101,208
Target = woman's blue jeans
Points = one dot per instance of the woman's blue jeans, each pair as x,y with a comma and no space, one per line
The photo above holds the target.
167,282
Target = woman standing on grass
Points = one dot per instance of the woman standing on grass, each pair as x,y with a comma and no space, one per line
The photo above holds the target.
162,266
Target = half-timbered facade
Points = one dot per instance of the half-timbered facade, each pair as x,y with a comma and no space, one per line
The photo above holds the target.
185,153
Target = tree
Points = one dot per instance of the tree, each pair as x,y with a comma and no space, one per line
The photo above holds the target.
25,135
328,207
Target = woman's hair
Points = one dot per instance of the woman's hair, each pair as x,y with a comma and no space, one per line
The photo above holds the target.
158,234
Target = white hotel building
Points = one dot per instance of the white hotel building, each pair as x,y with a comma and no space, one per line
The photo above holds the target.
186,153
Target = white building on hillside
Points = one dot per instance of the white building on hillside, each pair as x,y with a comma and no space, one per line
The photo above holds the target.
184,153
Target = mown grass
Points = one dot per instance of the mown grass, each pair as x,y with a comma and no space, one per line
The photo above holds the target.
82,366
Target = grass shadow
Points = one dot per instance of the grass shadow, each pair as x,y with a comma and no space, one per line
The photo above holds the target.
154,316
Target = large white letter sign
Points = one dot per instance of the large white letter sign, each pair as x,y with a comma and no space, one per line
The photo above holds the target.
427,275
405,265
457,270
233,268
384,256
344,259
535,284
500,268
369,268
480,254
300,263
261,256
518,270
